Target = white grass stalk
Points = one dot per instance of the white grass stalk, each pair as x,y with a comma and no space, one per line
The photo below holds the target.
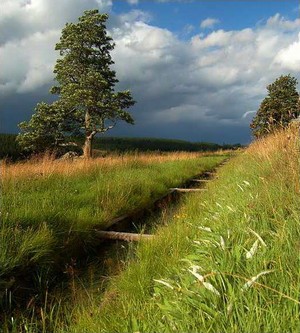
196,274
165,283
253,250
240,187
219,205
258,237
205,229
211,288
222,243
250,282
200,278
231,209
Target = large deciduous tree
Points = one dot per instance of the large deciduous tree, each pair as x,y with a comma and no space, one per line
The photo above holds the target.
87,102
279,107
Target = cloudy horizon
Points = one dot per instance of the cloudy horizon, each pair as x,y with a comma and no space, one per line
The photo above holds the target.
197,78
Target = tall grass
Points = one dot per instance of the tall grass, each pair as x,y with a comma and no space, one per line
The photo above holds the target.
49,208
228,261
47,165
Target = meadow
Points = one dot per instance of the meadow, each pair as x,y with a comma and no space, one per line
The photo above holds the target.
49,208
226,261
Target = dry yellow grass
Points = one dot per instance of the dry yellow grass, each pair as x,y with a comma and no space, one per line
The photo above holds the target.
279,150
280,141
48,165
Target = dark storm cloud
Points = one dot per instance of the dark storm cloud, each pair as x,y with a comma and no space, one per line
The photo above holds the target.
206,88
20,107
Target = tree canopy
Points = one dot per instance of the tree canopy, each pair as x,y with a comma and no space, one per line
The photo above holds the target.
87,102
279,107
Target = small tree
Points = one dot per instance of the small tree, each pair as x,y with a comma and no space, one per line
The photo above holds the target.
46,128
278,108
85,86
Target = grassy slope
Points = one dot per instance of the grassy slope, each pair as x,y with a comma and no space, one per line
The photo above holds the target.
50,209
240,275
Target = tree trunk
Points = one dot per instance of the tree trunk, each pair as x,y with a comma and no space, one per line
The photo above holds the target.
89,135
87,148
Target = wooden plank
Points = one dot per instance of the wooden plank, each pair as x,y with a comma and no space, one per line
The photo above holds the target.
200,180
125,236
189,189
209,173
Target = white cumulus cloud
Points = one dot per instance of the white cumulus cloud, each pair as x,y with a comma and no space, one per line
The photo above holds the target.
205,82
209,23
29,31
289,57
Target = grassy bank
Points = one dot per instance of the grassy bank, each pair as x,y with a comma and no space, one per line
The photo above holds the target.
228,261
49,208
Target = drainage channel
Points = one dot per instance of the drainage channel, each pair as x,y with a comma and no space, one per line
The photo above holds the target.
112,243
128,227
125,224
117,241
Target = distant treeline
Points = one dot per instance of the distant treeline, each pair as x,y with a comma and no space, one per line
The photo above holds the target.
152,144
10,149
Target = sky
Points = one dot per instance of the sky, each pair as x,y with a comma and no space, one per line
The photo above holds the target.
197,69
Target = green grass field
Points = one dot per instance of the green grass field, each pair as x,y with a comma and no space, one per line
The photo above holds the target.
227,261
50,208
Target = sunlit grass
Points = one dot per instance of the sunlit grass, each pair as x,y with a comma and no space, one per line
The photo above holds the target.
47,165
49,208
228,260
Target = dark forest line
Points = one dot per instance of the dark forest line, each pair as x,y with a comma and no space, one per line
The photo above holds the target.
9,148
